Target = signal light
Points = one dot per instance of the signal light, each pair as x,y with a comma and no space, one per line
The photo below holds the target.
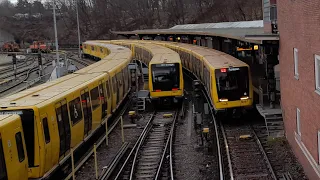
224,70
83,101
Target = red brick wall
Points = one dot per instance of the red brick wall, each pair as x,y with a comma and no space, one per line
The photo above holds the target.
299,25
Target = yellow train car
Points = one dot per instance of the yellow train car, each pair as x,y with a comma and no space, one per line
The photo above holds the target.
165,81
166,76
64,114
225,78
13,154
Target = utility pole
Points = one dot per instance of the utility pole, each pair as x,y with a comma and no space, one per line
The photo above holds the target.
56,38
78,28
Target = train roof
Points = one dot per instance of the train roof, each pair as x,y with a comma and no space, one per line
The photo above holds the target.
52,93
165,59
216,59
160,53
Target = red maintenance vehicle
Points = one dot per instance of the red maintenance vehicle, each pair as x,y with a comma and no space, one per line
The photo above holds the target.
40,45
10,47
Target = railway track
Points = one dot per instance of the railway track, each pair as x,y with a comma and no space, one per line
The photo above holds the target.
246,156
277,164
151,156
20,65
84,62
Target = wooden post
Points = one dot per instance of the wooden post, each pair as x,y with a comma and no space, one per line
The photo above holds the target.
95,159
122,133
72,162
107,143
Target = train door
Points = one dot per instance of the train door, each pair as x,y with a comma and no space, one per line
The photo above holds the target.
103,100
47,144
86,107
3,169
108,94
63,126
116,86
125,86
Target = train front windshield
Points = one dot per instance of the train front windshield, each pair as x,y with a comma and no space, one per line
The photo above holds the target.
165,77
232,83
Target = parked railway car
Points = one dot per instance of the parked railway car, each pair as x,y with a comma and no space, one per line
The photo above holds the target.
40,45
59,115
165,79
225,78
10,47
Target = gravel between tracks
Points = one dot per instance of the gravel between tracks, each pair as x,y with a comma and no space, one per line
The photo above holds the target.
283,153
106,154
191,161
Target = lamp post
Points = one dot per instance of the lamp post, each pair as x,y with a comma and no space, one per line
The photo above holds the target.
78,28
56,38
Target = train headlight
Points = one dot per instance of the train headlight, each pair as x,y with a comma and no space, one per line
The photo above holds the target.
223,100
244,98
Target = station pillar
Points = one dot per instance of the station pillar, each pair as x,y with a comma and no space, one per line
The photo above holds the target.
271,59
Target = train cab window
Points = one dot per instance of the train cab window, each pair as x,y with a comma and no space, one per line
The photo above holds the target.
232,83
165,77
75,110
92,48
20,146
95,98
46,130
3,169
108,88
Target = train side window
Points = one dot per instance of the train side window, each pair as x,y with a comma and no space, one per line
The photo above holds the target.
75,110
108,88
46,130
95,98
20,146
92,48
101,50
3,169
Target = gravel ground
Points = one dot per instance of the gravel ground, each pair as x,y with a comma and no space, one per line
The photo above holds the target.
106,154
282,152
191,160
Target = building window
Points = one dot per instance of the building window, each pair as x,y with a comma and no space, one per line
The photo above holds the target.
296,72
298,122
317,72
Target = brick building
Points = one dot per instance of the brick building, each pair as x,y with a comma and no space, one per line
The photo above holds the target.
299,25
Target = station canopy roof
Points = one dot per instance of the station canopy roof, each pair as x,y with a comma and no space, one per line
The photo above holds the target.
248,31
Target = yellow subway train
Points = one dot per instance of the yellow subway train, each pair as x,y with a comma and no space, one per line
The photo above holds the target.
39,126
166,82
225,78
